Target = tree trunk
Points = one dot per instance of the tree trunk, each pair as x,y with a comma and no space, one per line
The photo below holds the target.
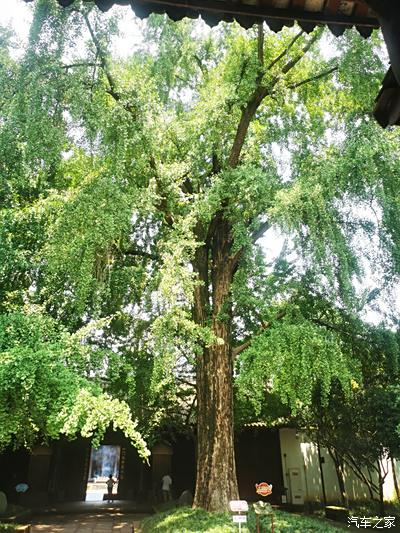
358,471
216,482
321,471
395,482
381,480
340,476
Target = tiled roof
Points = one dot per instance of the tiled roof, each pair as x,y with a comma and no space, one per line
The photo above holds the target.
336,14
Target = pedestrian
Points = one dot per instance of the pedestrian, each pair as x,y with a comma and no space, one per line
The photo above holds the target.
166,487
110,485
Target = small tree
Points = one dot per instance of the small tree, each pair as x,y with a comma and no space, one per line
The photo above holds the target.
360,429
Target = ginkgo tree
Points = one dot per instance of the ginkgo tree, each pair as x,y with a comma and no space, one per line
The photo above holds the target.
151,182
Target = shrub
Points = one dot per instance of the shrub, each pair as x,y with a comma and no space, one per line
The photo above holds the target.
187,520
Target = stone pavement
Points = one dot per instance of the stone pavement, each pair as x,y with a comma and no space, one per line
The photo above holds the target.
88,523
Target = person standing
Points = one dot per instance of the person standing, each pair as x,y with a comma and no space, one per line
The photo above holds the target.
110,485
166,483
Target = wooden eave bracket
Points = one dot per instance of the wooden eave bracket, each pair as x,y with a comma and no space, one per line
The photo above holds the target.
387,108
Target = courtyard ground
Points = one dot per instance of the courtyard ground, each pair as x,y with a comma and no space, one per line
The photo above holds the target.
90,523
128,517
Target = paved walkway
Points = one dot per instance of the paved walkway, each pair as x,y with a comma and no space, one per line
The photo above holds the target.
88,523
118,506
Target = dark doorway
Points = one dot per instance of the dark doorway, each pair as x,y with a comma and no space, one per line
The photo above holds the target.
258,458
104,461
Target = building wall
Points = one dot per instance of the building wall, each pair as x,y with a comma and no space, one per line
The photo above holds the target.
285,458
300,460
257,456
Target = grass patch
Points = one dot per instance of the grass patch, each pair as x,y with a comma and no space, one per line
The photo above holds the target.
372,509
188,520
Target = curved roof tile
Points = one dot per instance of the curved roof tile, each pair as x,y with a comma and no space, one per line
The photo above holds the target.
336,14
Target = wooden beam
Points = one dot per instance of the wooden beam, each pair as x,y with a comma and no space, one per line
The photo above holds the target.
256,12
248,14
389,19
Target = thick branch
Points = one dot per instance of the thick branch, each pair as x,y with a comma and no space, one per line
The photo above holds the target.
337,329
239,349
192,404
216,167
212,226
354,465
163,204
260,92
186,382
261,45
140,253
249,110
313,78
186,185
103,60
286,51
236,257
200,267
247,115
259,232
293,62
200,64
76,65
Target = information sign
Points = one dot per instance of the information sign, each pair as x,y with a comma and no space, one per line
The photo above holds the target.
239,518
239,506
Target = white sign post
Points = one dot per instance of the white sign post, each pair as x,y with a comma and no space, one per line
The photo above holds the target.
239,506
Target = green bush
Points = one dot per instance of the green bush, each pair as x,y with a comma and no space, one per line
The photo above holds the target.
187,520
371,508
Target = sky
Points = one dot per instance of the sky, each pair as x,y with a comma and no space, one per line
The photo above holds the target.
18,15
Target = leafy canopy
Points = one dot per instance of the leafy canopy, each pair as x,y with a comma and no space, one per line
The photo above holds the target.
110,167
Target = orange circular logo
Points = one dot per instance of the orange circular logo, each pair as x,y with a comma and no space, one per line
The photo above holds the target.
263,489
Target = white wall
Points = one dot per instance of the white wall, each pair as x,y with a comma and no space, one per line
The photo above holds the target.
300,455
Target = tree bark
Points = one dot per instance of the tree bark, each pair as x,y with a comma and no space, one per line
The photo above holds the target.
321,471
395,482
381,480
216,482
340,476
338,462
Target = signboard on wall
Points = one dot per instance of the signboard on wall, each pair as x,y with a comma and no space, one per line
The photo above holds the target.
263,489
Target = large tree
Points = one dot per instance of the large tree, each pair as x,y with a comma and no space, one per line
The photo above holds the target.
152,181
